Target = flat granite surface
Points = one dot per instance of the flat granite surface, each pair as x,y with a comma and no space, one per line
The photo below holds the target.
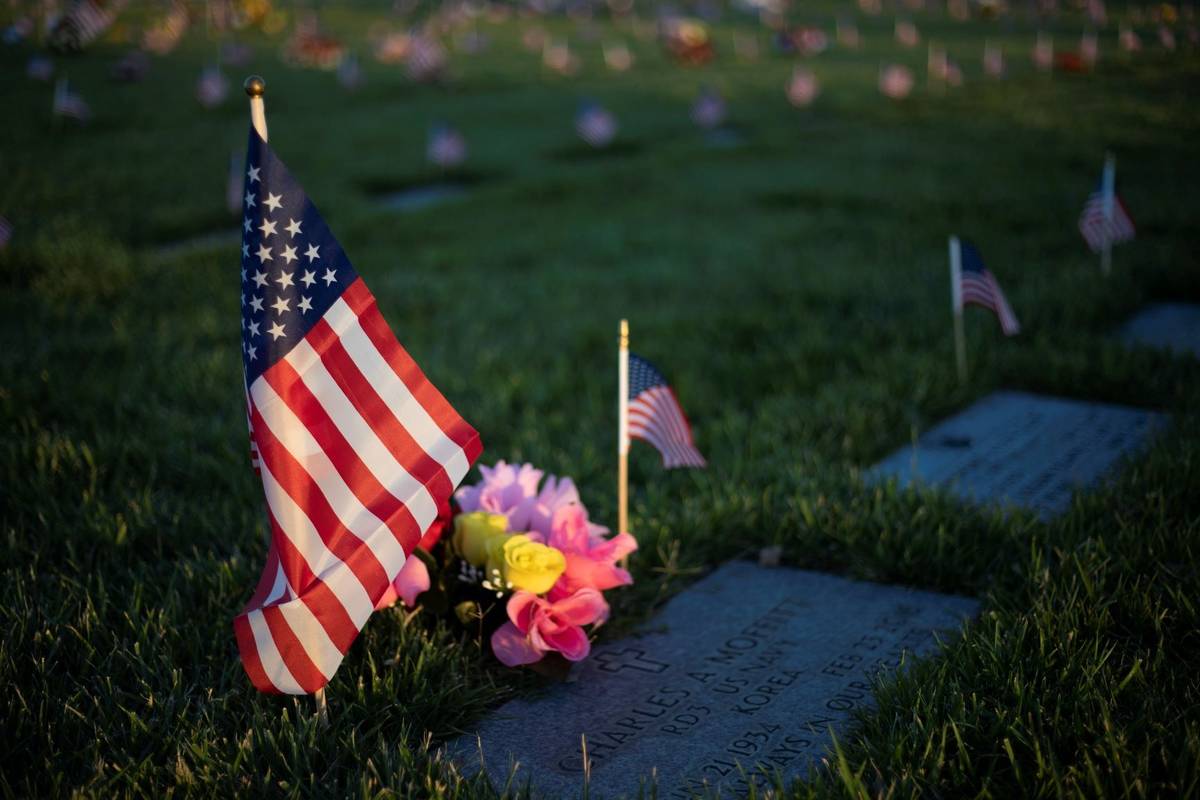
1168,326
741,675
1022,449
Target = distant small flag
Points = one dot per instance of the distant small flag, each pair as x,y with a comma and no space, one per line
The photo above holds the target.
709,110
557,56
425,59
1089,49
1043,52
954,74
993,60
811,41
69,104
937,64
1128,40
803,87
975,285
132,67
958,10
40,68
1097,13
349,73
871,7
895,81
595,125
211,87
656,417
617,56
446,147
84,23
907,34
6,230
1166,37
165,35
1104,220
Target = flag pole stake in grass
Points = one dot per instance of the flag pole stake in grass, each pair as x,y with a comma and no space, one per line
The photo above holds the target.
623,430
956,303
1110,183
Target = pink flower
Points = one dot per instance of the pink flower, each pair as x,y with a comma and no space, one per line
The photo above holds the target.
506,489
412,580
591,558
538,626
556,493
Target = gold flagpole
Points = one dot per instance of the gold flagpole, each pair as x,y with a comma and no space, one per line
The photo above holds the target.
623,429
255,88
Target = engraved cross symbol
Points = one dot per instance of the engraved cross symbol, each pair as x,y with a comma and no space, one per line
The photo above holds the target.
629,658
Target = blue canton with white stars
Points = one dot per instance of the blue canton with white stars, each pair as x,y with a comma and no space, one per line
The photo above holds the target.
293,269
642,376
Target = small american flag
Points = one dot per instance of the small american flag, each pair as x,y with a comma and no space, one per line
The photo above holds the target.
165,35
1128,40
357,450
1100,229
211,87
84,23
447,147
69,104
976,285
594,124
709,110
895,81
655,416
1089,49
617,56
803,87
907,34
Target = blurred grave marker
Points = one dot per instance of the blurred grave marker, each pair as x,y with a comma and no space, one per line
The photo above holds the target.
1166,326
1022,449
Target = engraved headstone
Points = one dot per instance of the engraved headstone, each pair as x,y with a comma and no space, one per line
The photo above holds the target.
1023,449
1169,326
741,676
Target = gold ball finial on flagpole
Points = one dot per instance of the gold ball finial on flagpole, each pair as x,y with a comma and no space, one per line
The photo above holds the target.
255,86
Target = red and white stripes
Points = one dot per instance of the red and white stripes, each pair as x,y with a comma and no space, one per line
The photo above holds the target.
358,452
656,417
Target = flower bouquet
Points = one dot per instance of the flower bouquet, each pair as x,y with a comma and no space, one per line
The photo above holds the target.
524,566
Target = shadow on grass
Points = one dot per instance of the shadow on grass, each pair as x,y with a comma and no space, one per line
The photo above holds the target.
585,153
426,190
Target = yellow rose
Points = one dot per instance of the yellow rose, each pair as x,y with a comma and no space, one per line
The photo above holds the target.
524,563
473,531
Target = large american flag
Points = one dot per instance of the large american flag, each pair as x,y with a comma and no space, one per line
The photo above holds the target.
655,416
356,449
1098,229
978,286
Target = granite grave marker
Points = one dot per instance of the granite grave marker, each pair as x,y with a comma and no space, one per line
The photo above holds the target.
1022,449
1167,326
741,675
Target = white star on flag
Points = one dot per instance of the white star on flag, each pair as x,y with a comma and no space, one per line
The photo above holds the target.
264,253
267,228
256,303
249,199
289,254
305,305
293,227
281,305
272,201
308,278
311,252
252,174
260,278
329,277
276,331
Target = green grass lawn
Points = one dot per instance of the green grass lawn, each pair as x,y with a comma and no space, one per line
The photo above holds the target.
794,290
